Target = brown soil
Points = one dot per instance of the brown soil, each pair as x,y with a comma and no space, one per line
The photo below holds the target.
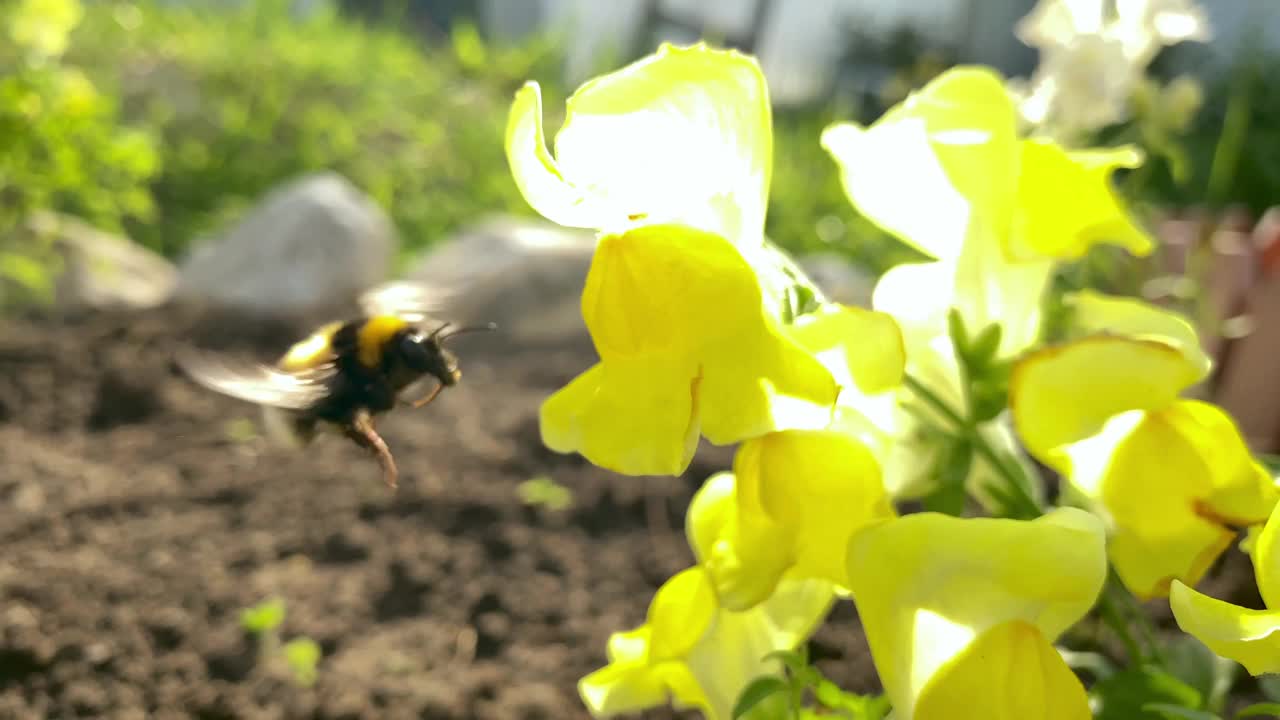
138,520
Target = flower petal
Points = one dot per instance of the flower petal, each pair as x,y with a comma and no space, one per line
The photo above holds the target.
537,175
1093,312
975,684
732,653
1242,492
1250,637
686,348
683,293
818,487
682,135
950,147
1045,226
863,349
681,611
927,585
745,555
1148,474
646,665
669,288
632,417
1266,560
1063,394
1265,552
697,654
623,688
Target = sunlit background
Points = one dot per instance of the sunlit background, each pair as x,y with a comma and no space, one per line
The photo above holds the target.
272,159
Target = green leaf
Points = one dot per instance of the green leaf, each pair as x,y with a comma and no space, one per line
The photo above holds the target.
1271,710
28,272
1198,666
1177,712
959,335
302,655
1272,462
1126,695
758,691
1270,686
1095,663
794,660
984,347
263,617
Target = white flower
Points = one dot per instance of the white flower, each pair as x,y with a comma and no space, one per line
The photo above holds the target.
1093,54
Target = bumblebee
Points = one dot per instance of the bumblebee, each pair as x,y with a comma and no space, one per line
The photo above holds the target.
346,373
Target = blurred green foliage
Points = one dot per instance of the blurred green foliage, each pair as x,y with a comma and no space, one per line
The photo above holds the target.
237,99
242,98
1207,128
167,120
61,146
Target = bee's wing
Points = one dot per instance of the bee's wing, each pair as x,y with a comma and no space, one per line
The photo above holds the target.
254,382
415,302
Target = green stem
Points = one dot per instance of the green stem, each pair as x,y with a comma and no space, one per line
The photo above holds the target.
969,430
1115,620
1140,617
1128,611
935,402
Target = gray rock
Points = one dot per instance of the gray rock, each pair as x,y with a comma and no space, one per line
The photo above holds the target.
839,279
100,270
525,275
316,242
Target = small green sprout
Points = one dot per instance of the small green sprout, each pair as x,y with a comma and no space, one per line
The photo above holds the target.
545,492
301,654
264,617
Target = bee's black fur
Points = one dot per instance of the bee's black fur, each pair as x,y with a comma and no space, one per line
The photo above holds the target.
355,386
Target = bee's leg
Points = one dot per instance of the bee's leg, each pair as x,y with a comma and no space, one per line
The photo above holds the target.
420,402
364,435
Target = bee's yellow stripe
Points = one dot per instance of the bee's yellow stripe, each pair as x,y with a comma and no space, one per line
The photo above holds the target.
311,352
373,336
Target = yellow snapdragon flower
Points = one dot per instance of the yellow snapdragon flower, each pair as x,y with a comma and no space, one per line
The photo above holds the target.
946,172
801,494
1170,475
961,613
692,652
1250,637
669,158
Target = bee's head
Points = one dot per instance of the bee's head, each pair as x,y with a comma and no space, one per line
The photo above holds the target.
427,354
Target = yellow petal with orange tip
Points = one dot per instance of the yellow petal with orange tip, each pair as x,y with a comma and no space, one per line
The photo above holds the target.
1145,476
1093,312
1063,394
